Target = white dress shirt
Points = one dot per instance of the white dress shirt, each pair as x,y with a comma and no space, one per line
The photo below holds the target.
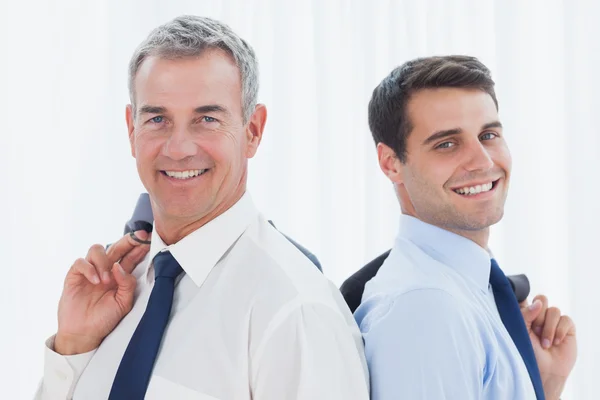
252,318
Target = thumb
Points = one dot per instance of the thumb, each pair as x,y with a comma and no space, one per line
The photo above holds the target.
125,288
531,312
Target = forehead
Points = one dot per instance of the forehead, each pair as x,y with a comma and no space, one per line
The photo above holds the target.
431,110
211,77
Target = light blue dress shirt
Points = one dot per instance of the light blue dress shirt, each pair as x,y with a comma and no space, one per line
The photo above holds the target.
430,323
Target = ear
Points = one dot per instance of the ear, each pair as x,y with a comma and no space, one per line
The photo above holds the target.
129,118
255,128
390,164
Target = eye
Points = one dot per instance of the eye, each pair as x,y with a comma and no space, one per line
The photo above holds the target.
488,136
206,118
157,120
445,145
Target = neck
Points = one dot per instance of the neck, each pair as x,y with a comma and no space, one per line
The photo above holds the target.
173,229
480,237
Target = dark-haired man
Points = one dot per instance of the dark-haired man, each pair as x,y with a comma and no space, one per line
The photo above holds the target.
439,319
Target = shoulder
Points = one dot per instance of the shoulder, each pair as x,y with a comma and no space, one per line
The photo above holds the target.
280,285
425,306
280,263
410,278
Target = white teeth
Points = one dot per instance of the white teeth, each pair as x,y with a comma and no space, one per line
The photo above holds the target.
475,189
185,174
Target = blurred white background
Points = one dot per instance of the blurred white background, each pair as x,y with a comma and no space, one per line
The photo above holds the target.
72,182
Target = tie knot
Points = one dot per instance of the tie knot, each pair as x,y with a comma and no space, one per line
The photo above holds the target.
165,265
497,277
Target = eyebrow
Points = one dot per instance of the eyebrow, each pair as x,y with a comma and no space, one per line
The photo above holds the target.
442,134
451,132
211,108
148,109
490,125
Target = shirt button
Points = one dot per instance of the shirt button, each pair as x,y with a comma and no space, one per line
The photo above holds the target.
61,375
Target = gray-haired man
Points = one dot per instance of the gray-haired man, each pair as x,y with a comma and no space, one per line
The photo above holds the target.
221,305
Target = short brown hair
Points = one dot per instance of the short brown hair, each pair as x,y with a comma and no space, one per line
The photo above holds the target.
388,117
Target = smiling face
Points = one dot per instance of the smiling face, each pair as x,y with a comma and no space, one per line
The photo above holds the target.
457,170
189,139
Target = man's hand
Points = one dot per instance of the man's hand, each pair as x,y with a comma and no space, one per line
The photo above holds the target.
554,343
97,294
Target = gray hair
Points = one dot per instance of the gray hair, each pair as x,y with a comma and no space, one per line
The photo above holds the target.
189,36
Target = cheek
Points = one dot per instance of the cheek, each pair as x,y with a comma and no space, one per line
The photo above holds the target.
507,161
226,150
147,148
436,174
502,158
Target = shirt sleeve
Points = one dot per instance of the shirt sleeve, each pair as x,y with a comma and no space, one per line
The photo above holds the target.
61,373
314,352
422,346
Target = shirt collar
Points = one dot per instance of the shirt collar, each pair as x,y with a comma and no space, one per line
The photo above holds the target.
198,252
461,254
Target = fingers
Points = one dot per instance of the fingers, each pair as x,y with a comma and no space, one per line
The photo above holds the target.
98,263
552,319
118,250
125,288
531,312
96,256
82,267
549,325
565,327
538,323
134,257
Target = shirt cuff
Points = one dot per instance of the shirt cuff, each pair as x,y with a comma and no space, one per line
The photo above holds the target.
61,373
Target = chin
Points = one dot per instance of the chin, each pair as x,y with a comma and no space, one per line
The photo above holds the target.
178,208
482,222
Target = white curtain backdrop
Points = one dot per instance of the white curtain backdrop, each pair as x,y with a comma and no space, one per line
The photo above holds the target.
72,182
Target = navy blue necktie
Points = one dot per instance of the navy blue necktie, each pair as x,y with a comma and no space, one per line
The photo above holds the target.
136,365
512,318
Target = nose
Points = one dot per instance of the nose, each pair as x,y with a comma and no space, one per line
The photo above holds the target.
179,145
478,158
